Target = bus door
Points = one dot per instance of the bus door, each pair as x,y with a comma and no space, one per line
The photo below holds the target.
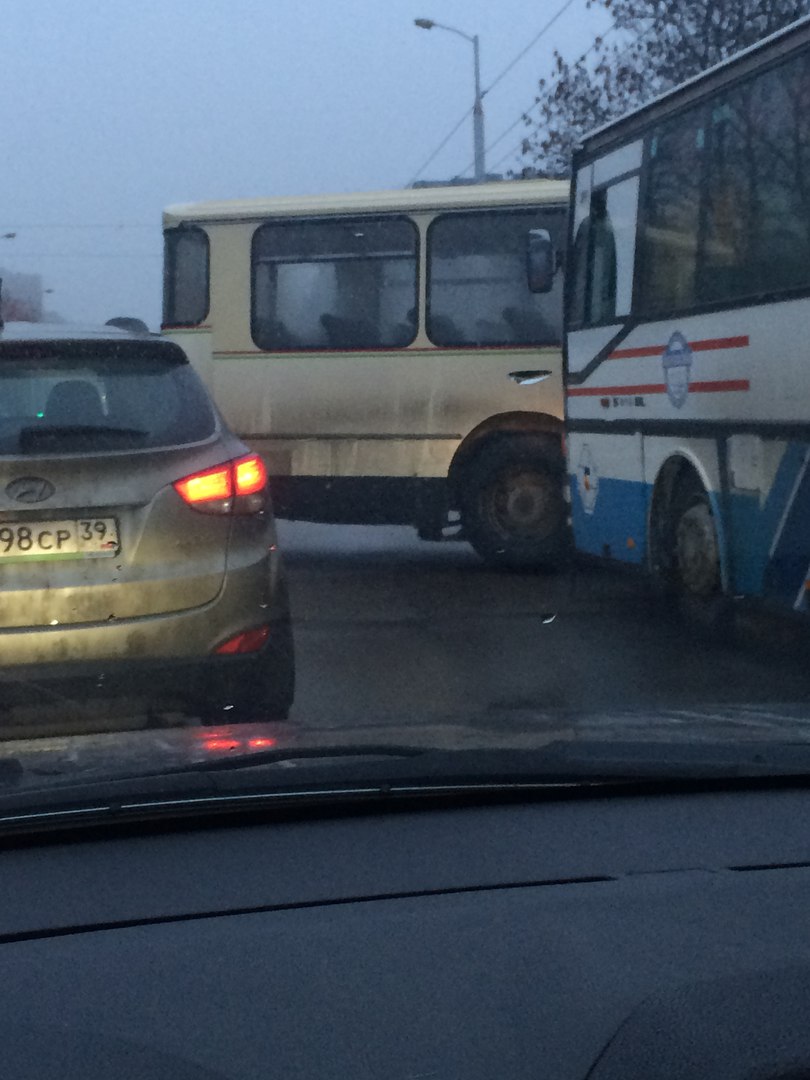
604,395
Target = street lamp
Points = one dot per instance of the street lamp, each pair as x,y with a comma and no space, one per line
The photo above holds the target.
478,108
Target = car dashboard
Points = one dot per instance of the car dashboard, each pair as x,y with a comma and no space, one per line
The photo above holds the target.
656,935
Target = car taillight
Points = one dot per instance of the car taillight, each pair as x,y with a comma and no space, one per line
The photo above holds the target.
247,642
202,487
238,485
250,475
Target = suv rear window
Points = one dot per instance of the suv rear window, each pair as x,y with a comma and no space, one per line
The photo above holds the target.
73,400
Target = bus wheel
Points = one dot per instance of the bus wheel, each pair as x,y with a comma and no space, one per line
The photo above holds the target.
511,500
684,549
696,551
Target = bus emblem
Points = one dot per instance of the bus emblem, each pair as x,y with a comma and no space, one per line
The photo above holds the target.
677,360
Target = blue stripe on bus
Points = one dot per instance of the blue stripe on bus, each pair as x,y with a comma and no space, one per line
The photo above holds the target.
617,528
754,528
786,570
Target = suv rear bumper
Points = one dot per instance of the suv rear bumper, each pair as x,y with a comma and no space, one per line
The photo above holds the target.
215,689
161,663
250,596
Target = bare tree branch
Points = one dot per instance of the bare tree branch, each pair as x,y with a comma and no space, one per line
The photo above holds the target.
660,44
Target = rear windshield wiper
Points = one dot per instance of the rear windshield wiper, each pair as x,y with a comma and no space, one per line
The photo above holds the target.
41,437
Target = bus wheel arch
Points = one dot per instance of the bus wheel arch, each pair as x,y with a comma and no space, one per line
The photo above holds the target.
507,481
684,541
497,427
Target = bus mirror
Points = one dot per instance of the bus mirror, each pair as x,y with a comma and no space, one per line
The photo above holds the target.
541,261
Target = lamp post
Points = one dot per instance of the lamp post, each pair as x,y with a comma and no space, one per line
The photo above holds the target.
478,108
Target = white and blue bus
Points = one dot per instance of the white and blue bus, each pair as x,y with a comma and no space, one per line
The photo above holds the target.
688,331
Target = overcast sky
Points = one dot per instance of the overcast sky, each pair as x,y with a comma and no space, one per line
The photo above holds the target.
114,109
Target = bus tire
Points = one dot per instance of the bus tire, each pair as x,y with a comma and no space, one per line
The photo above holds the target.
697,553
687,566
513,511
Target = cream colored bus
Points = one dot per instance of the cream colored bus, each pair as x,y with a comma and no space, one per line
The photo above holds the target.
395,356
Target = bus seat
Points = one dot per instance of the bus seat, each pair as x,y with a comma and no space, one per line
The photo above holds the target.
443,331
488,330
528,326
273,334
349,333
402,334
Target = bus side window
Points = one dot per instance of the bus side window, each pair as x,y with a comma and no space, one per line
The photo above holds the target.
672,221
185,276
757,236
335,283
478,286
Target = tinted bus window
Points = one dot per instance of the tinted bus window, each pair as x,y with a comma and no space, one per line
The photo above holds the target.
758,199
676,153
185,277
335,284
478,290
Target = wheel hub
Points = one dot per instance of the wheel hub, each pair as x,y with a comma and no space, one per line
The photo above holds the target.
522,504
696,549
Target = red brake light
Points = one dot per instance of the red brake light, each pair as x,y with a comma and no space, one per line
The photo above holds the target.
247,642
220,744
250,475
216,743
213,490
207,486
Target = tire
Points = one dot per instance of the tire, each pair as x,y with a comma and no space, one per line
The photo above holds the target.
513,511
686,558
265,697
696,550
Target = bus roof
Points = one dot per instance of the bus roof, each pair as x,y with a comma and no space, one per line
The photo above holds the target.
782,42
499,193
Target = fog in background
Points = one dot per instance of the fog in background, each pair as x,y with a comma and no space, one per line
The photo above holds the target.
114,110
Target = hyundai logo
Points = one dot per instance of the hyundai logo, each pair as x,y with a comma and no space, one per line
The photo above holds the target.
30,489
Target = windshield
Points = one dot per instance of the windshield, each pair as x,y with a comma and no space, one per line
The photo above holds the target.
428,405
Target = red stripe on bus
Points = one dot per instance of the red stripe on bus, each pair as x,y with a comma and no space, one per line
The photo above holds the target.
741,342
717,386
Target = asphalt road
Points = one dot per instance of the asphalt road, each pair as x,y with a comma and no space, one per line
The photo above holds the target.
391,630
401,641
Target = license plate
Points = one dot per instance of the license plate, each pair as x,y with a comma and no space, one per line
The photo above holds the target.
73,538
